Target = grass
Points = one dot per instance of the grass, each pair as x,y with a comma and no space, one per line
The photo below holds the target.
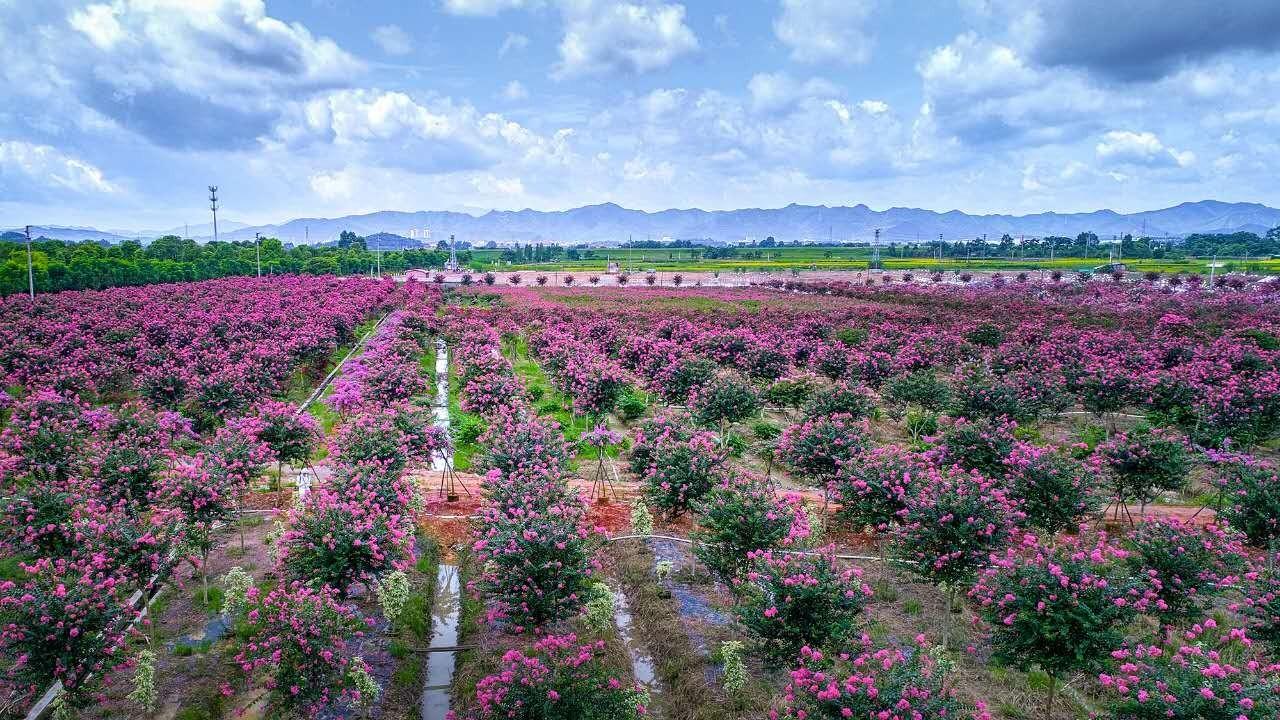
465,447
212,605
415,626
679,667
553,403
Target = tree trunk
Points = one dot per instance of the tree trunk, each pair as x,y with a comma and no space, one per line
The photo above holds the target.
1053,687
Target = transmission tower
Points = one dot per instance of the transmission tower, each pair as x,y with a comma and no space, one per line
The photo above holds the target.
213,206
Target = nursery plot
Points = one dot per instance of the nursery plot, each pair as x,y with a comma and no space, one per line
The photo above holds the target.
904,500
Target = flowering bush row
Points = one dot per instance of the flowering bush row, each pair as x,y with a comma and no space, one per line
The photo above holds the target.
209,348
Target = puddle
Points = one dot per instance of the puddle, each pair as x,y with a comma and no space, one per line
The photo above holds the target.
214,629
641,663
444,633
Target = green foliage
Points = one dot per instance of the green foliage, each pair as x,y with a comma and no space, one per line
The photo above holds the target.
632,404
790,392
920,388
734,679
736,518
599,608
724,401
1060,610
60,265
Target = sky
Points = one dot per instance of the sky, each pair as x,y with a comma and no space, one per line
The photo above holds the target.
118,113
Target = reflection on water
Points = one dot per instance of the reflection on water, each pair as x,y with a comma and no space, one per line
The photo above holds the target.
444,633
641,663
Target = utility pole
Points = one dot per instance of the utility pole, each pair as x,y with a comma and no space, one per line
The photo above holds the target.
213,206
31,275
257,248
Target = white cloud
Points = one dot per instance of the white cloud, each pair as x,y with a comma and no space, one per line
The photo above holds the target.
392,129
227,64
771,92
23,162
1141,148
514,42
820,31
874,107
392,39
514,91
99,23
333,186
488,184
602,37
481,7
983,92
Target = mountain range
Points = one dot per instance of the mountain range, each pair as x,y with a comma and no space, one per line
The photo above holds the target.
611,224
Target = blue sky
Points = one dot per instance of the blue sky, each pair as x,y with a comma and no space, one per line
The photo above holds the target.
118,113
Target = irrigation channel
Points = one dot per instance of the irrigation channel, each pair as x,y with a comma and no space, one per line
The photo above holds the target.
444,634
641,663
440,658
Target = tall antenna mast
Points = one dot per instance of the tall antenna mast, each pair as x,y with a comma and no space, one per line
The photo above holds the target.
213,206
31,276
257,248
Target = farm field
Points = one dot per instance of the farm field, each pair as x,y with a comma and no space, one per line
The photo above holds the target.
839,258
301,497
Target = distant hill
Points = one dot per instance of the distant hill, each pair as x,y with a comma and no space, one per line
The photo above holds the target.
389,241
612,224
71,234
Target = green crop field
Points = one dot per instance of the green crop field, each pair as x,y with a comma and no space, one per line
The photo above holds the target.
834,258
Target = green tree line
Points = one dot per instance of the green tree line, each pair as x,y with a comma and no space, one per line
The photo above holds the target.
60,265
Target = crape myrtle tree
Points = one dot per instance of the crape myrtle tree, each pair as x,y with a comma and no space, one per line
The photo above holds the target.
723,402
1141,464
743,514
1059,609
950,527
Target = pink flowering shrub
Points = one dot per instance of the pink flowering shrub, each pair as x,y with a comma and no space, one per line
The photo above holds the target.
1259,607
1187,565
743,514
842,398
339,541
893,683
1251,495
1208,673
790,601
723,402
1053,490
818,446
681,472
1059,608
655,432
537,559
1142,463
394,438
952,524
873,490
556,678
41,437
297,647
290,435
65,620
676,380
518,442
981,445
